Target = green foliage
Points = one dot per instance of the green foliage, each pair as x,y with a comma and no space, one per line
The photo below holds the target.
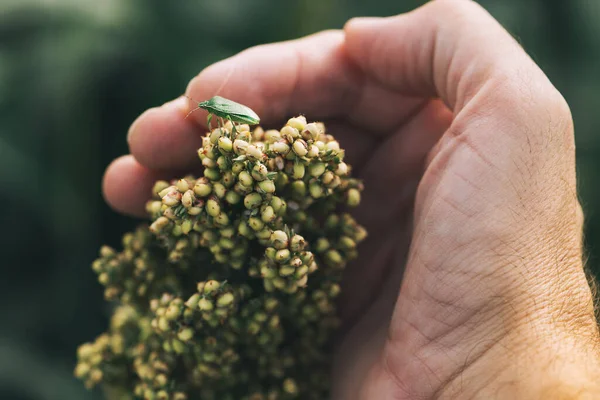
269,256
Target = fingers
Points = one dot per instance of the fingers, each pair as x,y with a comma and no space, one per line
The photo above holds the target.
447,48
163,139
310,76
127,185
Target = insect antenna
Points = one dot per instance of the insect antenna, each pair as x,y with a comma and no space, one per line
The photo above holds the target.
195,109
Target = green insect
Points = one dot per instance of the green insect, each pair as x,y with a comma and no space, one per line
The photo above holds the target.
226,109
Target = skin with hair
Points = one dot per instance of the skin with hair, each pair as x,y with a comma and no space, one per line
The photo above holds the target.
471,284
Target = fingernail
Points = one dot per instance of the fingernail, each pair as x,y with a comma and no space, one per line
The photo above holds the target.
133,126
181,104
363,22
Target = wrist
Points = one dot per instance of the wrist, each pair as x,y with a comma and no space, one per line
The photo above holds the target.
541,357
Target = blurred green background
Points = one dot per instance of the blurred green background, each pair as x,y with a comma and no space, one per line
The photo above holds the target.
73,76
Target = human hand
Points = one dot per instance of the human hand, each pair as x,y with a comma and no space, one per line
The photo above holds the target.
471,283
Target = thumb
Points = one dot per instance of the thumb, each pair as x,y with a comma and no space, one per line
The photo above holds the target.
447,49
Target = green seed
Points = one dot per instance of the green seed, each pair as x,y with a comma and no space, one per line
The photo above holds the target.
299,170
202,188
282,256
232,197
353,197
317,169
252,200
279,239
267,186
256,224
225,144
245,179
225,300
212,207
268,214
212,174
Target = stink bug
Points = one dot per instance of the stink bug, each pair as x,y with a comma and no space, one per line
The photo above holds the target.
227,109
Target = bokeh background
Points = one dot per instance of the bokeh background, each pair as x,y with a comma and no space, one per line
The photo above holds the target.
75,73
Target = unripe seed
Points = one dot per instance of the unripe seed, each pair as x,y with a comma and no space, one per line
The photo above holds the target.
213,208
270,253
334,258
290,387
153,207
240,146
311,131
286,270
321,245
347,243
342,169
298,171
172,198
317,169
289,133
333,145
280,147
245,179
173,312
186,227
296,262
163,324
225,300
232,197
193,301
301,272
282,256
223,163
188,199
297,122
268,214
209,163
327,178
272,135
307,257
245,230
264,234
237,167
215,135
243,130
300,147
256,224
259,172
159,186
202,187
222,219
279,239
297,243
212,173
185,334
183,185
267,186
219,189
159,224
254,152
208,286
205,305
313,151
299,188
276,203
315,189
252,200
353,197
